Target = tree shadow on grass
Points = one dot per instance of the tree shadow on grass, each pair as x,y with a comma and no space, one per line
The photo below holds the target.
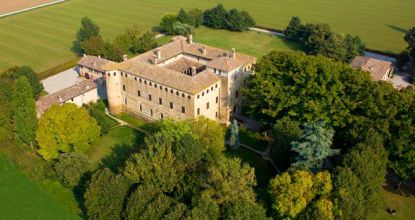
121,152
396,28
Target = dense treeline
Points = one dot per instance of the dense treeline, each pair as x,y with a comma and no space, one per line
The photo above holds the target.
90,41
217,17
319,39
406,59
364,119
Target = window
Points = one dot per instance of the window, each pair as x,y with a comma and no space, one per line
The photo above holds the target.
125,101
203,93
171,91
145,82
150,83
207,105
198,96
216,86
109,74
183,109
139,93
149,97
237,94
216,114
207,91
182,95
161,87
171,105
151,112
198,111
165,89
217,99
121,74
114,74
161,116
160,101
140,80
211,88
155,85
141,108
123,87
135,78
188,97
177,92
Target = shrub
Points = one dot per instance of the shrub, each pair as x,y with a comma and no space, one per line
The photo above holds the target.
182,29
70,168
215,17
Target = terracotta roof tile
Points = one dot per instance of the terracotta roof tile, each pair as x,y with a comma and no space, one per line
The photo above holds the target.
94,62
376,68
62,96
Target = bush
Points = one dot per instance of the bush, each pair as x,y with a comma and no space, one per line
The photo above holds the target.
145,43
238,20
97,111
70,168
215,17
182,29
93,45
166,24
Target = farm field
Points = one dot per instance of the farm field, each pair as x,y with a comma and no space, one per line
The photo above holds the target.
42,38
22,198
9,6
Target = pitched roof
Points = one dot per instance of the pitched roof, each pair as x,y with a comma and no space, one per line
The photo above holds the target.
62,96
94,62
177,80
376,68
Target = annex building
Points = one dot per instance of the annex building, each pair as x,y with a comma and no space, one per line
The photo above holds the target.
181,80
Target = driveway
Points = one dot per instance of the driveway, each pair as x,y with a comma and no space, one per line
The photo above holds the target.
61,81
400,80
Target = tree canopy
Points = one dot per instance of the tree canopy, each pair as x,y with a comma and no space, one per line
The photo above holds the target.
24,111
87,30
64,129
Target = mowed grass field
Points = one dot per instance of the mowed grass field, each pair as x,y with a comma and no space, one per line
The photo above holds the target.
42,38
22,198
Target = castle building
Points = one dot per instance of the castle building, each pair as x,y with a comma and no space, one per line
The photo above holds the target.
181,80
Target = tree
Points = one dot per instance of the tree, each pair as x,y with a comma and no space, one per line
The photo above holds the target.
166,24
184,17
197,17
244,210
355,47
294,30
291,193
87,30
182,29
17,72
314,147
320,40
210,134
410,39
6,109
145,43
105,195
139,199
123,41
113,52
234,135
64,129
70,168
282,134
93,46
24,111
238,20
359,180
97,111
214,17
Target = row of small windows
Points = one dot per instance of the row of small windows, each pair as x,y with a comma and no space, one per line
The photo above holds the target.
161,88
207,91
162,116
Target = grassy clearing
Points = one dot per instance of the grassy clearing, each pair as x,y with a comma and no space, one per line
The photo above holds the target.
113,148
404,206
252,139
381,24
22,198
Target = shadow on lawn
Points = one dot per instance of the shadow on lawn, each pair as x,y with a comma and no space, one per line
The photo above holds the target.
121,152
396,28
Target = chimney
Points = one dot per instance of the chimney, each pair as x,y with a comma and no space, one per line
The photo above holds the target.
84,55
87,87
233,53
204,50
124,57
193,71
99,56
190,39
155,61
158,53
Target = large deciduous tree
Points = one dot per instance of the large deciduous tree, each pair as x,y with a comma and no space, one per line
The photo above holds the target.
70,168
87,30
15,73
24,111
93,45
215,17
105,195
144,43
291,193
64,129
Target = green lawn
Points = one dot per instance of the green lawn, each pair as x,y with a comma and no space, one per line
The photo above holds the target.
404,206
113,148
42,38
22,198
